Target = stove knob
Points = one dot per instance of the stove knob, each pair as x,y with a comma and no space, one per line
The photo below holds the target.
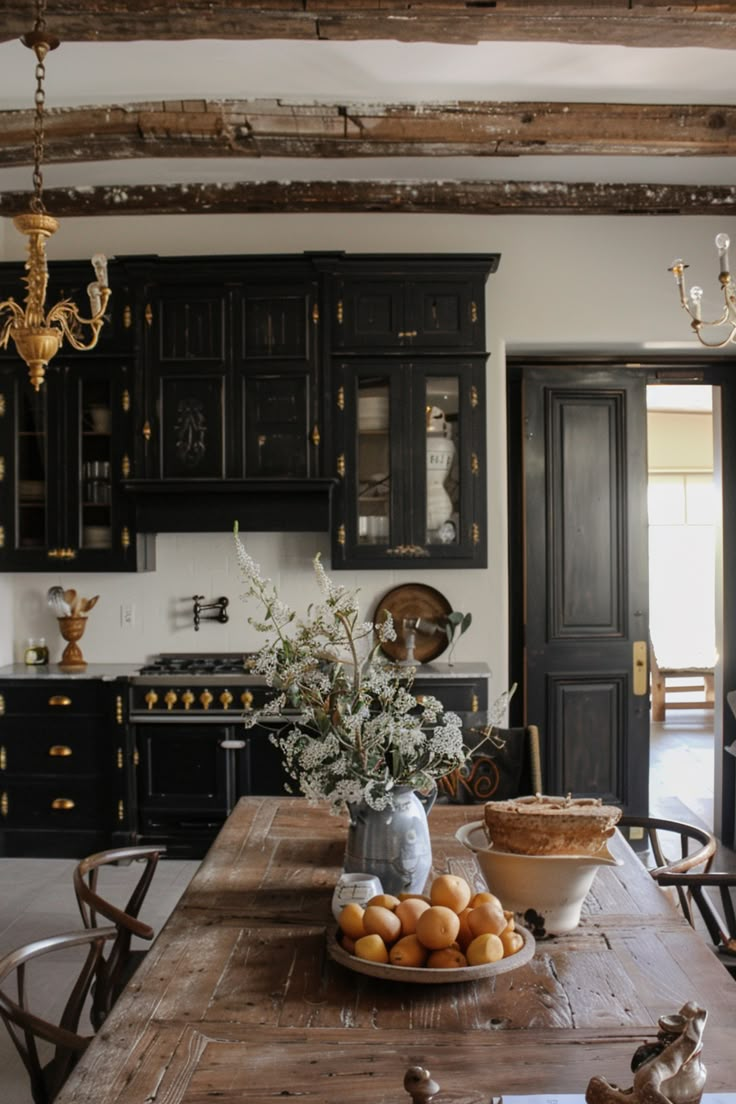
206,699
187,698
247,699
170,697
151,698
225,699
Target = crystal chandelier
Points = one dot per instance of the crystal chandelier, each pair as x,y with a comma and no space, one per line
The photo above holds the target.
692,300
38,334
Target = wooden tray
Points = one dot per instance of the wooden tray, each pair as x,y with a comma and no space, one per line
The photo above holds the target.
414,600
425,976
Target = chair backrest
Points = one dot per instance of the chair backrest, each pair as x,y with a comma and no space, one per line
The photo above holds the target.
721,925
695,848
503,763
115,970
25,1027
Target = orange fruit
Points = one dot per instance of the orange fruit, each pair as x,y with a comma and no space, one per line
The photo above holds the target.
482,898
486,918
351,920
413,896
347,944
449,958
484,948
408,912
378,920
510,922
372,948
464,936
385,900
512,942
408,951
451,891
437,927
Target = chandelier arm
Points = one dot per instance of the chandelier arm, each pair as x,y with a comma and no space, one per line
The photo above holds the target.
67,317
15,314
716,344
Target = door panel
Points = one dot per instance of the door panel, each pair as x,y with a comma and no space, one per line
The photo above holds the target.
586,585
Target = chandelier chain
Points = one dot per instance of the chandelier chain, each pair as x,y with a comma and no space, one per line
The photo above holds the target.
37,203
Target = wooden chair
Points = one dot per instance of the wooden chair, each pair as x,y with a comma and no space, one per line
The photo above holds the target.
506,763
664,697
118,967
696,847
25,1027
721,928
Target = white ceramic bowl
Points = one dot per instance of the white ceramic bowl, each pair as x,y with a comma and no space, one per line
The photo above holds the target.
553,886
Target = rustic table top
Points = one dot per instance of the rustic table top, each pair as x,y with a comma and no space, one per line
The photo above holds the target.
238,1001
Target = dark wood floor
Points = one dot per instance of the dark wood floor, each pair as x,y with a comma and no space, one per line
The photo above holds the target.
681,773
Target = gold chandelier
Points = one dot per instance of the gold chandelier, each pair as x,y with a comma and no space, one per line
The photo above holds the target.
692,300
38,334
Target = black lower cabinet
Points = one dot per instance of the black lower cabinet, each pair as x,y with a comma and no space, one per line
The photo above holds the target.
189,777
62,779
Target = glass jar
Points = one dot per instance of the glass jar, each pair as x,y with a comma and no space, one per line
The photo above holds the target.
36,652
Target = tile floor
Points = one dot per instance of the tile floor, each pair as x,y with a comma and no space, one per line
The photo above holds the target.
37,899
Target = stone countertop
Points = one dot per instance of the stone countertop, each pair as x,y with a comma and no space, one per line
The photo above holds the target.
107,672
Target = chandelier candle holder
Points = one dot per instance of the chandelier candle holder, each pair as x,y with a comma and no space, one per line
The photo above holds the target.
39,333
691,301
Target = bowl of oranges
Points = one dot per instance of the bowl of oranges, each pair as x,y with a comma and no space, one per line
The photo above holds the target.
449,934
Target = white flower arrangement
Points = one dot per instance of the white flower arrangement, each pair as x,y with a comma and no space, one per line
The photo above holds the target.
360,731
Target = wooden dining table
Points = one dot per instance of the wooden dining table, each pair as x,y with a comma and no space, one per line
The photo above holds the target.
239,1001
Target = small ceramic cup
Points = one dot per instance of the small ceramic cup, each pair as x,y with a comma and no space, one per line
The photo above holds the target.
354,887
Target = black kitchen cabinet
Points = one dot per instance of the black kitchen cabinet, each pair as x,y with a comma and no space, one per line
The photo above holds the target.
407,409
409,437
230,367
63,789
64,451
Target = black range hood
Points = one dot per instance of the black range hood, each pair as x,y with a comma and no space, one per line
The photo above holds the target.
214,505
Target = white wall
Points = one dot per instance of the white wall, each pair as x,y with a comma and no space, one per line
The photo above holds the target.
578,285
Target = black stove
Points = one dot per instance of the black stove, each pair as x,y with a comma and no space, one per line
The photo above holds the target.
180,663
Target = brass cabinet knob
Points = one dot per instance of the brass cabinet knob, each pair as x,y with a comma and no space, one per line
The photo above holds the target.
206,699
187,698
60,751
171,698
60,699
225,699
62,804
247,699
151,698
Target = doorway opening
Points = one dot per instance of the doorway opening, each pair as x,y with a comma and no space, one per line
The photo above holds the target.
684,526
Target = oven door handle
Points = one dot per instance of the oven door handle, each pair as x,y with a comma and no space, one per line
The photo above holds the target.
234,744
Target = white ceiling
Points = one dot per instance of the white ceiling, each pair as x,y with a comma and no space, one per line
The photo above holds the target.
371,72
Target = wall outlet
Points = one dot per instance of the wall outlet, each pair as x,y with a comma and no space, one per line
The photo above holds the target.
127,615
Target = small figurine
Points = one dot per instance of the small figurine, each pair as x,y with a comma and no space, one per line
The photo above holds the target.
668,1071
419,1084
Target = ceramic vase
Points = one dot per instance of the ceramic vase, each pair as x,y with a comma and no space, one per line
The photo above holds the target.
72,629
392,843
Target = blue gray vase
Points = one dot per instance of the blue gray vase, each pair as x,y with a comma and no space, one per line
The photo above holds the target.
392,843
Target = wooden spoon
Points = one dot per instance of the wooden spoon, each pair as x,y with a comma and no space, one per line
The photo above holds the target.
70,597
88,603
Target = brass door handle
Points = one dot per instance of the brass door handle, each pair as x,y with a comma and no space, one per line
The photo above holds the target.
60,699
63,804
640,676
60,751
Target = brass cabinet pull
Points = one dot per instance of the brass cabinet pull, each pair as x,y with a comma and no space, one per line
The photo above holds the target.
125,466
125,537
476,533
136,757
2,705
127,317
474,703
60,699
146,431
340,312
316,438
121,809
4,804
171,698
2,468
206,699
315,313
225,699
3,759
119,760
125,400
474,464
187,698
60,751
62,804
473,311
150,698
414,550
148,314
341,465
474,400
341,535
247,699
119,709
340,398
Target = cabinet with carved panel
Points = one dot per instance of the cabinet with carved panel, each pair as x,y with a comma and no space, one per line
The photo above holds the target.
230,368
63,788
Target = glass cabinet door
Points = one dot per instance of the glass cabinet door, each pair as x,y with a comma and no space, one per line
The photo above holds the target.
441,456
374,460
94,518
32,470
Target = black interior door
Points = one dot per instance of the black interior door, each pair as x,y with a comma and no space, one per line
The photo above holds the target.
586,578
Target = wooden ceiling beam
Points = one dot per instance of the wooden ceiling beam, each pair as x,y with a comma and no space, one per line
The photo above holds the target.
457,197
618,22
271,128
